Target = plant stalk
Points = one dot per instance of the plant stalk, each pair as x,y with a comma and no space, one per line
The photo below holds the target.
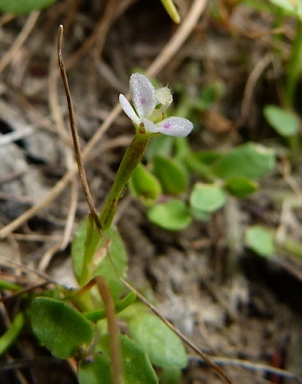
129,162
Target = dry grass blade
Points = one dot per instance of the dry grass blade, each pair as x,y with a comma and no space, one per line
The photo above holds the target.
28,27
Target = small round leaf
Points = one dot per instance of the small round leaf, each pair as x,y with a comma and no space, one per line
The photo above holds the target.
173,215
207,197
286,123
260,240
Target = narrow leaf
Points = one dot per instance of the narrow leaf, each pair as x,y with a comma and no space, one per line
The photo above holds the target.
19,7
9,337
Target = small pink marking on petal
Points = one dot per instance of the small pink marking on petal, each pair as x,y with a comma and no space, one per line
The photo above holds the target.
167,125
143,101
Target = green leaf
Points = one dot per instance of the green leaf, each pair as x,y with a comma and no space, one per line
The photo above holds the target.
286,123
163,347
59,327
144,185
136,365
119,256
98,262
7,285
159,145
207,197
83,249
293,8
207,157
260,240
170,375
241,186
95,371
9,337
20,7
171,175
249,160
171,10
173,215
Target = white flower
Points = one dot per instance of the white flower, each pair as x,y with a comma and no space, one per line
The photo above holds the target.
145,99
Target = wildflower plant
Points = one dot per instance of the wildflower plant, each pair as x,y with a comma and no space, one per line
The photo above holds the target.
81,323
90,332
100,263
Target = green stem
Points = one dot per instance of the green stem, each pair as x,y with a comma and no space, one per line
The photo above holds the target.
130,161
200,168
293,247
6,285
294,67
9,337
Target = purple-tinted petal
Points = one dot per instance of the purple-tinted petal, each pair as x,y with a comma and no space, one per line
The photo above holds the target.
129,110
143,95
174,126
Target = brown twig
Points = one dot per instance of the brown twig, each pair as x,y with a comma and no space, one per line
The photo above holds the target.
253,367
74,133
114,341
28,269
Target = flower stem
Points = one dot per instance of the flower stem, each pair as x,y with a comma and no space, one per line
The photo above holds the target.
129,162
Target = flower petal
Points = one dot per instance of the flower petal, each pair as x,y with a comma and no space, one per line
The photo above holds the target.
143,95
172,126
149,126
128,109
